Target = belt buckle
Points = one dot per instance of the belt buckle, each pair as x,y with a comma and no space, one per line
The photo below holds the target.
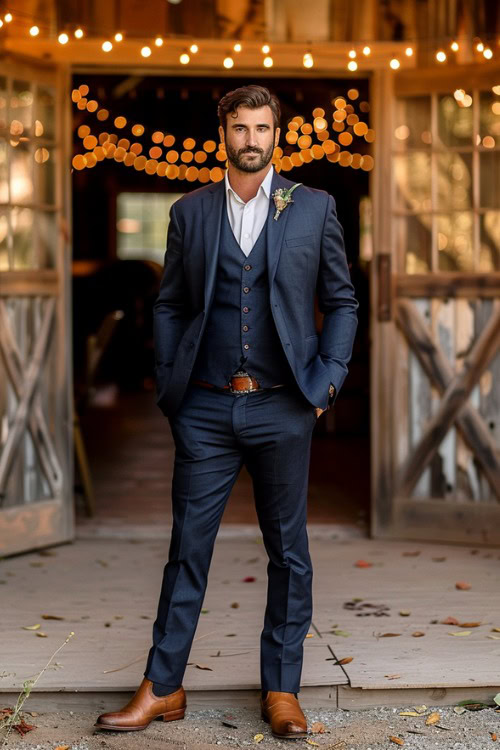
240,391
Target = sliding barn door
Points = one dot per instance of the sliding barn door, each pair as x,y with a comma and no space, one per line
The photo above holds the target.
36,507
436,309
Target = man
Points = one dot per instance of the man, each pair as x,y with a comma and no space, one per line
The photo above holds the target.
242,377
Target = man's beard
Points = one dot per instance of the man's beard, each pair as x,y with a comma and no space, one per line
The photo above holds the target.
238,159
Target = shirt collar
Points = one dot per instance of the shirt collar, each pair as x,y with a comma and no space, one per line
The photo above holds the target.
265,185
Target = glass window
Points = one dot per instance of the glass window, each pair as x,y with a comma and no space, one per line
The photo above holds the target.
489,170
22,235
489,248
45,112
142,222
454,122
454,233
413,122
21,108
414,237
21,173
412,173
454,181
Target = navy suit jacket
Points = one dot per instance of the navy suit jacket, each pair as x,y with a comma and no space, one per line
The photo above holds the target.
305,256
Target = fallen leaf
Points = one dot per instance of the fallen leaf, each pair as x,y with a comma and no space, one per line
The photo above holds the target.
420,709
52,617
363,564
235,605
494,637
310,635
312,742
438,559
433,718
389,635
41,635
411,554
418,634
405,613
203,666
462,586
22,728
493,736
346,660
258,738
470,705
495,630
249,579
103,563
392,676
461,632
449,621
397,740
496,699
62,747
409,713
318,728
32,627
205,611
343,633
469,624
459,710
228,724
366,609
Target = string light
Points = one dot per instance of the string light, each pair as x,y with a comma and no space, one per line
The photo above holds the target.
352,65
194,48
441,56
488,54
79,33
184,58
8,17
394,63
159,41
308,60
146,51
1,23
366,50
63,38
480,46
352,54
228,62
119,37
409,51
237,47
454,46
266,49
107,46
34,31
268,62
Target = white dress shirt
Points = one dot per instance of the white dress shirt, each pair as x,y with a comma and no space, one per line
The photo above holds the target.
247,219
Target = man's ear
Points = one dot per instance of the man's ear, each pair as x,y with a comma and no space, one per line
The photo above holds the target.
276,137
221,134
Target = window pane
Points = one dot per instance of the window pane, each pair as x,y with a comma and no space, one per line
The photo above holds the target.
46,239
489,118
22,230
4,185
454,175
489,251
21,174
21,107
45,181
454,122
455,241
3,103
489,179
45,110
413,122
414,243
142,222
412,173
4,238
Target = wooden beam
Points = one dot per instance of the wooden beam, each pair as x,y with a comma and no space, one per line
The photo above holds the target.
438,369
470,285
42,283
453,401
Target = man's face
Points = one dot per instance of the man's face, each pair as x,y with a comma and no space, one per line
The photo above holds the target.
250,138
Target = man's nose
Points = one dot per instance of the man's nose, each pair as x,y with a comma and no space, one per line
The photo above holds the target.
251,138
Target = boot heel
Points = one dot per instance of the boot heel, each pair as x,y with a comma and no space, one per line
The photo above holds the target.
172,715
264,717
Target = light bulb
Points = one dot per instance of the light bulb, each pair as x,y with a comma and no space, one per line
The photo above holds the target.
265,49
268,62
307,60
184,58
366,50
78,33
193,48
394,63
119,37
441,56
352,54
63,38
488,54
146,51
237,47
454,46
409,51
159,41
34,31
228,62
107,46
480,46
352,65
8,17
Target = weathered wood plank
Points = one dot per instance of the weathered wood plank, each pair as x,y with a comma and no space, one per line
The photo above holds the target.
39,283
448,284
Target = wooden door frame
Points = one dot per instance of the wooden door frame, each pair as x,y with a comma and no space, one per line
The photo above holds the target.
393,515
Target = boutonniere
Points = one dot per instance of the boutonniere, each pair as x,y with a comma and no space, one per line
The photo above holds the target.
282,197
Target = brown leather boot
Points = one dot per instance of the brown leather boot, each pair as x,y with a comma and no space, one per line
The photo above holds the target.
285,715
142,708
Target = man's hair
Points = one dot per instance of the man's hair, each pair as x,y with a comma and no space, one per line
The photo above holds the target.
251,96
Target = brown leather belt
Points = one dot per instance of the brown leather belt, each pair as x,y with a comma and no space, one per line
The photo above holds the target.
237,384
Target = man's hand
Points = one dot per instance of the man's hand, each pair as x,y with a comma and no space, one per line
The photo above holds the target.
319,411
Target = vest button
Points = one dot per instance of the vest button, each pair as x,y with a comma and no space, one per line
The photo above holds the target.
245,328
247,267
246,289
246,346
246,309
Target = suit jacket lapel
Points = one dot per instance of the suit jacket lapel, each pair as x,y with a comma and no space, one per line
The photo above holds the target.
212,205
275,230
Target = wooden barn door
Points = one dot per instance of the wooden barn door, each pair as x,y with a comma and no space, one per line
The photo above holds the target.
436,308
36,506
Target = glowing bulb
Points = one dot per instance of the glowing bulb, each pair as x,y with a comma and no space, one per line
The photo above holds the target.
78,33
266,49
34,31
459,95
8,17
441,56
352,65
159,41
228,62
352,54
1,23
194,49
307,60
454,46
237,47
480,46
394,63
488,54
268,62
63,38
146,51
409,51
366,50
107,46
119,37
184,58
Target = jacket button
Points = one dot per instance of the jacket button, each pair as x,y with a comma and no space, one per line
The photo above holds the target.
246,346
246,309
248,267
246,289
245,328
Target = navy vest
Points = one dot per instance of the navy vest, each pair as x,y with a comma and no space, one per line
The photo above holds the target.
240,332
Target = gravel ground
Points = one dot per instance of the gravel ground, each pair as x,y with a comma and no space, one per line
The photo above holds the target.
204,730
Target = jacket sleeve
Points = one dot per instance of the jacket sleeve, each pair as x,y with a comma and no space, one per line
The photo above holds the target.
170,312
336,301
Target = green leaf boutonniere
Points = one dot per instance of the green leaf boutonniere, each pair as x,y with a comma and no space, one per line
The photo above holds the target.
282,197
